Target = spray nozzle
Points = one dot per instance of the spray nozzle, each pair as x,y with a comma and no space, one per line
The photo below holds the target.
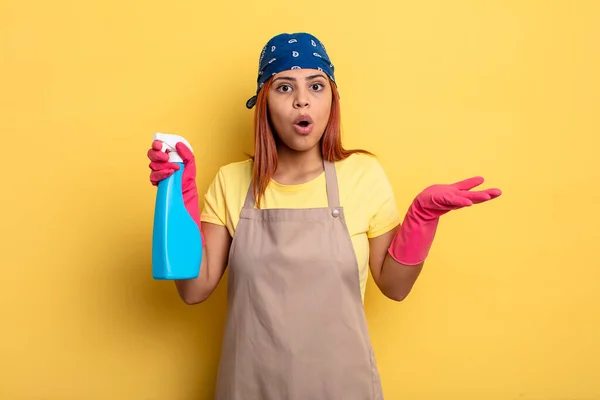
169,142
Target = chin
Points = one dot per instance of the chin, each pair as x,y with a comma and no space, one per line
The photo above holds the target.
303,147
301,143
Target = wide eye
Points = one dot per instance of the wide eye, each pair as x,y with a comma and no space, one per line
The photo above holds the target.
284,88
317,86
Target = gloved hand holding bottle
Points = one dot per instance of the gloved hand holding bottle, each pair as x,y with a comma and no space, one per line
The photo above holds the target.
177,239
414,238
161,168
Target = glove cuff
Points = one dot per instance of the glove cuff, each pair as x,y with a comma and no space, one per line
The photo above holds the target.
413,240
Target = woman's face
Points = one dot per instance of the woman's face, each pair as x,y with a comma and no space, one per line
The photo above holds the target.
299,103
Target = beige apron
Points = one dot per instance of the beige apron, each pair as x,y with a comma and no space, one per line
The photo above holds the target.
296,328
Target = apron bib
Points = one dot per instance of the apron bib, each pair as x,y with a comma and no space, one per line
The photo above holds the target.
296,328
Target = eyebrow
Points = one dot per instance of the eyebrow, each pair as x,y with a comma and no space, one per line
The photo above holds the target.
289,78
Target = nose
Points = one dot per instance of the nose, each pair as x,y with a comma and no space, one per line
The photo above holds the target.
301,100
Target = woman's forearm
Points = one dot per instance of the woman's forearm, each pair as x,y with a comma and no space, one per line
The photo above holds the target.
214,261
396,280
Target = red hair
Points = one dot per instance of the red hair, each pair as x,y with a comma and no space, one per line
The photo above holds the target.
265,148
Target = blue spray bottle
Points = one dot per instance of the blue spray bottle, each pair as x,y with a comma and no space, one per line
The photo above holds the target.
176,239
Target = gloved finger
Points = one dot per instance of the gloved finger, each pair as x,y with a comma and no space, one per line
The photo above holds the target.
157,145
184,152
495,192
476,197
451,201
157,176
159,166
157,156
468,184
481,196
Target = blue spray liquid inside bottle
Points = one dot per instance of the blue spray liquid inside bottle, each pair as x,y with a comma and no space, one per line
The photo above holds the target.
176,239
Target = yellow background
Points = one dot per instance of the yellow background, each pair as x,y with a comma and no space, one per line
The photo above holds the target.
508,306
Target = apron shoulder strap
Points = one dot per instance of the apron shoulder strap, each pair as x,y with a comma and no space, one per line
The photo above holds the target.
249,202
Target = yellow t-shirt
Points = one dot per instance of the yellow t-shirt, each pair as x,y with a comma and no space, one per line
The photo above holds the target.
365,194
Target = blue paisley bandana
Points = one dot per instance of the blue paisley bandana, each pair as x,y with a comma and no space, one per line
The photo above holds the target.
291,51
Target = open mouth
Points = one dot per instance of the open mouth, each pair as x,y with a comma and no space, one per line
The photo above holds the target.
303,121
303,124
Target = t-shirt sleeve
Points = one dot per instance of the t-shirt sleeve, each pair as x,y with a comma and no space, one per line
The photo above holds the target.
385,215
215,210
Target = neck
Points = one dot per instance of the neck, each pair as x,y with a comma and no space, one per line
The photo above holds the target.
295,167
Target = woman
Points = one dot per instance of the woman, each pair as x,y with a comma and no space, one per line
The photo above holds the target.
299,225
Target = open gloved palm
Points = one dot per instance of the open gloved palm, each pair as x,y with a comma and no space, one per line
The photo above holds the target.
412,242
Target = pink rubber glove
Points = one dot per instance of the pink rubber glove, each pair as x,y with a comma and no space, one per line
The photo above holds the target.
161,169
413,240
